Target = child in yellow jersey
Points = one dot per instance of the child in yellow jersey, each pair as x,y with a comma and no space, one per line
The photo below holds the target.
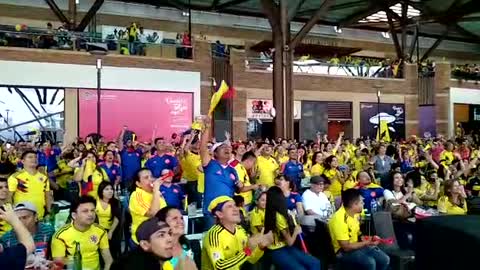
257,215
91,238
285,233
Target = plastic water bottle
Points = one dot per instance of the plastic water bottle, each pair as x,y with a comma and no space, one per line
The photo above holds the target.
373,205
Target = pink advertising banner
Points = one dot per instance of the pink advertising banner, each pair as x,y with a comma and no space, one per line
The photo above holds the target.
141,111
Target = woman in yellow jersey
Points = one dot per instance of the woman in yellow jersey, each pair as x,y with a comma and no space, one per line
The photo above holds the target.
89,175
303,158
281,155
317,164
257,215
145,201
108,213
285,232
334,175
358,161
453,203
431,189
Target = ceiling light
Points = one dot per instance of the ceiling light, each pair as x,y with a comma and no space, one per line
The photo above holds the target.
337,29
385,34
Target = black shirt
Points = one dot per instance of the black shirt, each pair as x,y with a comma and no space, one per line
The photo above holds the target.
14,258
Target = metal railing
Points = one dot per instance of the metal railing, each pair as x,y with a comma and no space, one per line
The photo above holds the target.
320,67
67,40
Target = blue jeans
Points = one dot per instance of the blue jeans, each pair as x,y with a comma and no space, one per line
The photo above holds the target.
367,258
289,258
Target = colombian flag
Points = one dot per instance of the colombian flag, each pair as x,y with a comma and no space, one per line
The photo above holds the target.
224,91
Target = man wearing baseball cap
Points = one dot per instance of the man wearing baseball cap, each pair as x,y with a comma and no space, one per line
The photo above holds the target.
42,232
155,249
226,245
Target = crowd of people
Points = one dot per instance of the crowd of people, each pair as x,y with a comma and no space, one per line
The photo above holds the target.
254,196
468,72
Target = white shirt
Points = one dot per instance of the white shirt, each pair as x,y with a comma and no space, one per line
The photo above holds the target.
393,195
318,203
142,37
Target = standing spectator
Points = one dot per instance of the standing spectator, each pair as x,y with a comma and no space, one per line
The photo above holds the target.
132,37
267,166
83,231
382,164
162,160
131,157
15,258
142,42
293,169
30,185
172,193
41,232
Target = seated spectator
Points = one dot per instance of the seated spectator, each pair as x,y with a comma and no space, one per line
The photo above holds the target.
315,201
397,196
344,229
83,231
369,191
293,199
41,232
155,249
15,257
4,195
153,38
453,203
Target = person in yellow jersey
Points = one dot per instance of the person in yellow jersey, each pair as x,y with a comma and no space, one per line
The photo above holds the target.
247,163
4,194
334,175
30,185
257,215
317,164
344,227
285,232
281,154
447,156
108,213
63,174
145,201
190,162
226,245
91,238
267,167
358,161
89,175
454,201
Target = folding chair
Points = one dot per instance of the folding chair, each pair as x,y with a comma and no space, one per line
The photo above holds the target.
399,259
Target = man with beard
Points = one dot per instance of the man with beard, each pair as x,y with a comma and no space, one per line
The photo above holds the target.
82,231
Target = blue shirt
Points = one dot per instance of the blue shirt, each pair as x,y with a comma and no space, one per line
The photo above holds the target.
52,159
112,171
131,163
157,164
369,192
292,200
219,181
173,195
41,158
293,170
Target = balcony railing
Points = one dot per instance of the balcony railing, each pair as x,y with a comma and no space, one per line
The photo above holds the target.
311,66
76,41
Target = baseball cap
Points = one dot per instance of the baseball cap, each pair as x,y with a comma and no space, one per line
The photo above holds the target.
25,206
218,203
149,227
217,145
317,179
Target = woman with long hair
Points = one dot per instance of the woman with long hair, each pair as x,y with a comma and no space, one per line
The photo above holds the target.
89,175
182,252
112,169
257,215
293,199
108,213
453,203
277,220
334,175
397,192
317,164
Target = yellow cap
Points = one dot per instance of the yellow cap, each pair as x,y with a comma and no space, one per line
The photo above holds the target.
218,201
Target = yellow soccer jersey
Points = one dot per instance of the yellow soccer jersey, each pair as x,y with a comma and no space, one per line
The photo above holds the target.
257,219
64,173
190,164
224,250
267,168
281,225
29,188
104,215
245,179
445,206
140,202
4,227
91,242
343,228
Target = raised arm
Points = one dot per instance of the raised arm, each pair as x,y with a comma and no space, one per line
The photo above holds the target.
339,141
206,135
